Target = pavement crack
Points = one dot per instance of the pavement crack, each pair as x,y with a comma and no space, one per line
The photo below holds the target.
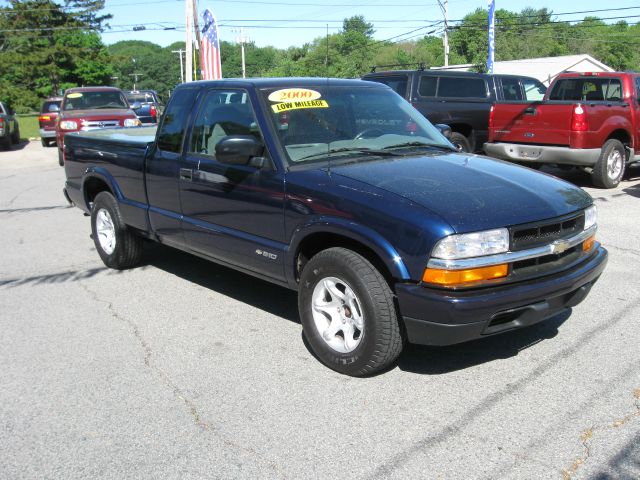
18,195
622,249
175,389
587,436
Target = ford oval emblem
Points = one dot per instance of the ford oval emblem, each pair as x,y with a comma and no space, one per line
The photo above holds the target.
529,135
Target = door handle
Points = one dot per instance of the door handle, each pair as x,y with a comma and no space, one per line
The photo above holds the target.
186,174
530,111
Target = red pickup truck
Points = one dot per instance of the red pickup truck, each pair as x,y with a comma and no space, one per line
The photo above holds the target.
589,120
91,108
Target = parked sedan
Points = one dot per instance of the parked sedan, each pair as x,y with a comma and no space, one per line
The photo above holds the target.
145,104
47,120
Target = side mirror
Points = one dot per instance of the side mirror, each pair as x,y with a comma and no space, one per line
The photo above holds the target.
445,130
54,108
239,150
136,105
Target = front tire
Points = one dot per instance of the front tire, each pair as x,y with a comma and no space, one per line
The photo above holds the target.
116,243
609,169
348,313
460,142
60,158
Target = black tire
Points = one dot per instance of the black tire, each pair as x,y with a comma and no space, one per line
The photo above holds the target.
5,144
380,341
609,169
15,136
127,251
60,158
460,142
44,142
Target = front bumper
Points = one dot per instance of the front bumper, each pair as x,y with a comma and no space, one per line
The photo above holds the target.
586,157
443,317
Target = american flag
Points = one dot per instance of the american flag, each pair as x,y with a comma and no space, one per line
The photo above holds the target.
210,48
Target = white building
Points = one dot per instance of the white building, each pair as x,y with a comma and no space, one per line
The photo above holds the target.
544,69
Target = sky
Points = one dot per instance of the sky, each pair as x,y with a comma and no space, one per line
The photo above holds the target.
285,23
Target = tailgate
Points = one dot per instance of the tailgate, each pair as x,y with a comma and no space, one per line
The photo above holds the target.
536,123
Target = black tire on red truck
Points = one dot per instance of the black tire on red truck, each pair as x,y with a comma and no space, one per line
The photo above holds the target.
609,168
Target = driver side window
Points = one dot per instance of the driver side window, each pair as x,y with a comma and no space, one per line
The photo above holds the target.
222,113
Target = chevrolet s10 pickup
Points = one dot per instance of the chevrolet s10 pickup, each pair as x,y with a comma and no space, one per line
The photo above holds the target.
342,191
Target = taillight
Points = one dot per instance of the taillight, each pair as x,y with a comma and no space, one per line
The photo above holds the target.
579,119
153,111
491,110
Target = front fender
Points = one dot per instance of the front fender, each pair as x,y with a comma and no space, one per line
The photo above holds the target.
353,231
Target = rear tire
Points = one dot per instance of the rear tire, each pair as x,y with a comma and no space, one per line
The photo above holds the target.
348,313
118,246
460,141
15,136
609,169
60,158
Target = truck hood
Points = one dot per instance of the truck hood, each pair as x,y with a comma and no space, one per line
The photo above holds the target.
96,115
470,192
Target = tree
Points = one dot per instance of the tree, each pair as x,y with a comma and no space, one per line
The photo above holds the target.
45,49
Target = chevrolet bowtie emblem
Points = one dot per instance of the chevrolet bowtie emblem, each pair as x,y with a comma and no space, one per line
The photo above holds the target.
561,246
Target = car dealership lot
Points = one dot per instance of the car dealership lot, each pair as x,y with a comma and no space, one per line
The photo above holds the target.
184,369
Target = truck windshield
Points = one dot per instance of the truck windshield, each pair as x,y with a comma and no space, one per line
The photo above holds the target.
314,123
94,100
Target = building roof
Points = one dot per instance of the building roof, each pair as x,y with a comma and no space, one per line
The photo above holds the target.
544,69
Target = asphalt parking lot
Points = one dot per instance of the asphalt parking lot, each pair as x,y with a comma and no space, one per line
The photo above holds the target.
185,369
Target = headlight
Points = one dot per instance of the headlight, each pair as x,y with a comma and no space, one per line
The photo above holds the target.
467,245
131,122
590,217
69,125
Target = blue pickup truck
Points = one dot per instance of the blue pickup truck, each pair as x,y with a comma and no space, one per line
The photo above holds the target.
342,191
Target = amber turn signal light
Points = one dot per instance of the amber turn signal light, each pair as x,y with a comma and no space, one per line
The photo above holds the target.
588,244
452,278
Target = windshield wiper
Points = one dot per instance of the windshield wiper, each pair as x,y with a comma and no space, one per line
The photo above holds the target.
364,151
419,144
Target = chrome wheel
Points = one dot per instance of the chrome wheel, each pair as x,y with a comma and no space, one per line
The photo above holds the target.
106,231
337,314
615,163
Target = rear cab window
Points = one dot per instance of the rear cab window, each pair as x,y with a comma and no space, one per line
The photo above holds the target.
47,107
398,83
581,89
441,86
174,121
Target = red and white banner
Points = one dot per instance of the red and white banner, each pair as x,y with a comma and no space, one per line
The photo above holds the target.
210,48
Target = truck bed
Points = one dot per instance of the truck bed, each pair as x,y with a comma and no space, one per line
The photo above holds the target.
123,150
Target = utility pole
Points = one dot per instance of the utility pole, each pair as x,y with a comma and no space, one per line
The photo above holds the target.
189,41
445,39
135,78
197,29
180,52
242,39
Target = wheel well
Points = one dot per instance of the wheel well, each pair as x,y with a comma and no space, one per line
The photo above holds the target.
317,242
92,187
462,128
621,135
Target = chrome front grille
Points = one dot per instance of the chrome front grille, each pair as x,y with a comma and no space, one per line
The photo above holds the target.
93,125
543,233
